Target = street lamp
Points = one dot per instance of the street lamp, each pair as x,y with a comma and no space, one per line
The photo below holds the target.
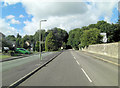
40,37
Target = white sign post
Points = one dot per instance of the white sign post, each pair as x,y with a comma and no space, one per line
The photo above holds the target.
104,37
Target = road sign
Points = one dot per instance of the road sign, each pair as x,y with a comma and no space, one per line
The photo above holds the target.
104,37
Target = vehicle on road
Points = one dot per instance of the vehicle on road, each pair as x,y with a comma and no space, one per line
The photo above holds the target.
22,51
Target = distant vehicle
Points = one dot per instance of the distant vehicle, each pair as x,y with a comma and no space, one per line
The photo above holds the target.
22,51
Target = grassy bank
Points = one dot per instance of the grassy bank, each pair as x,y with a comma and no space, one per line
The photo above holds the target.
4,56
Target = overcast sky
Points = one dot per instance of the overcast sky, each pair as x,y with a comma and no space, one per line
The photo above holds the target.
23,16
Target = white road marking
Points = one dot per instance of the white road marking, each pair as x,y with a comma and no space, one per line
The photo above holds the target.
77,62
86,75
72,54
74,58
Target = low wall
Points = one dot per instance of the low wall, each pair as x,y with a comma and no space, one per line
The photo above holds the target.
108,49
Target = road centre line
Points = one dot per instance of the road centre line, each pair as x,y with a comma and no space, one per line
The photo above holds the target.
82,69
74,58
86,75
77,62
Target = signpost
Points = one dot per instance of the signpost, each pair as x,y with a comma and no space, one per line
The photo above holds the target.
104,37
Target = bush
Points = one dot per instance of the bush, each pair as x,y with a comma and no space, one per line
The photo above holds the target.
12,53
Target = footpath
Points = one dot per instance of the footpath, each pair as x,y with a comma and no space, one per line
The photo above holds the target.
16,57
108,59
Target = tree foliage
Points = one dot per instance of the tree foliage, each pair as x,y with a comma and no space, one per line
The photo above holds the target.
90,37
50,43
74,37
11,38
43,34
60,36
37,46
56,38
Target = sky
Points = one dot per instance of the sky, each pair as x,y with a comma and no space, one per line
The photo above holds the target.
23,16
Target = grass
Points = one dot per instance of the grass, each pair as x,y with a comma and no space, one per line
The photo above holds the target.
4,56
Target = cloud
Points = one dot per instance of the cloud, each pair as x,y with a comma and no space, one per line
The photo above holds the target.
31,27
47,9
66,15
10,2
21,16
6,29
10,17
13,21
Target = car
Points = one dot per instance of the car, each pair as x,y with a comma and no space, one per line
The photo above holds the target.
22,51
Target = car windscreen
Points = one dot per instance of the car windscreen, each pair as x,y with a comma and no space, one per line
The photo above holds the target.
22,49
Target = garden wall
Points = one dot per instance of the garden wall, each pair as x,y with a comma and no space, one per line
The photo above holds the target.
108,49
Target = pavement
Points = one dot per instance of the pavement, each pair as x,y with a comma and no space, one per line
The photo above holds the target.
16,57
13,70
74,68
115,60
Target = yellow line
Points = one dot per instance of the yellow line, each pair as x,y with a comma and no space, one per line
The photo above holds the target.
105,60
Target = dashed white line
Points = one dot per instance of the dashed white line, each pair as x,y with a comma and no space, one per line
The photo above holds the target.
74,58
77,62
86,75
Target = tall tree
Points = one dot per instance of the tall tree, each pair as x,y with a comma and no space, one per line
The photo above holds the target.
11,38
19,36
37,35
50,43
60,36
74,37
91,36
18,42
37,46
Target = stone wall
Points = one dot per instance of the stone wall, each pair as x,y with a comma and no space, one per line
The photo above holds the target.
108,49
0,43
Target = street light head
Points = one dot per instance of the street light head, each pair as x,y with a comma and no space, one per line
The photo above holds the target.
43,20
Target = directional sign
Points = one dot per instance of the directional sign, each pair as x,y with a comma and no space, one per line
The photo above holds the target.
104,37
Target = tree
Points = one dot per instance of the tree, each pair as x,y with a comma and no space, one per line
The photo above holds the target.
74,37
24,45
37,35
19,36
37,46
91,36
6,43
11,38
50,43
64,45
114,33
60,36
34,48
18,42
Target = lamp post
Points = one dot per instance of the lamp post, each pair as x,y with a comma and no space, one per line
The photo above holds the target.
40,38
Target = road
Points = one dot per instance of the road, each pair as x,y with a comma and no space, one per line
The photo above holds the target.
15,69
74,68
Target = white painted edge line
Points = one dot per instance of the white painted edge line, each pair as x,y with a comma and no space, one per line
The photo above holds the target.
104,60
86,75
22,77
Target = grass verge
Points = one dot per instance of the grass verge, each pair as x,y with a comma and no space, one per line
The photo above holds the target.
4,56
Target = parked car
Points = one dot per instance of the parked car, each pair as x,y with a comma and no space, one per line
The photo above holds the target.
22,51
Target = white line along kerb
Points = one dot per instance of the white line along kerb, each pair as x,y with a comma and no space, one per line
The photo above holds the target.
86,75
